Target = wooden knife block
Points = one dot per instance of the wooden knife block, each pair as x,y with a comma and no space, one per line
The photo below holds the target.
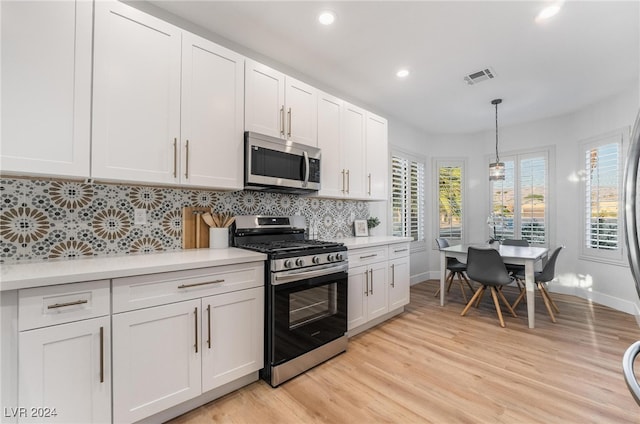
195,232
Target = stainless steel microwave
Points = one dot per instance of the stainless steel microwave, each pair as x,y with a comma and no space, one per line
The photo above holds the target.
273,164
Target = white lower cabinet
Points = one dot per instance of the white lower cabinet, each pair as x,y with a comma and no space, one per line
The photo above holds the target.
65,373
167,354
156,364
64,370
379,279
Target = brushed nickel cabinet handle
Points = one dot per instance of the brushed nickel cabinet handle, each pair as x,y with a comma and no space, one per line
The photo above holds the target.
371,289
186,168
348,181
282,120
369,256
343,184
62,305
175,158
186,286
209,325
289,119
393,275
102,354
366,287
400,250
369,192
195,313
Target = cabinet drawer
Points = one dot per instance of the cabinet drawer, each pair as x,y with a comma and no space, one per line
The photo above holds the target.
144,291
44,306
399,250
367,256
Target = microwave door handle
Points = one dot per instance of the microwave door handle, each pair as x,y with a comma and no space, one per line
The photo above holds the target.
306,168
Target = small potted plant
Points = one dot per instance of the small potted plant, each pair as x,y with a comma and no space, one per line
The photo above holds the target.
372,222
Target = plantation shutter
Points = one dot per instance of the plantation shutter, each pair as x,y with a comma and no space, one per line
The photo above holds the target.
602,196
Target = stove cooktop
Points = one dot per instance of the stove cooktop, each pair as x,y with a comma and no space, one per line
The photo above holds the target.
284,246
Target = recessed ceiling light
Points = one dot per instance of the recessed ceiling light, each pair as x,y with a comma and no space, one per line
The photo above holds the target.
327,17
549,12
402,73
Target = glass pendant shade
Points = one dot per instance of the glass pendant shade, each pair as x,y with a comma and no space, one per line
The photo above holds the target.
496,171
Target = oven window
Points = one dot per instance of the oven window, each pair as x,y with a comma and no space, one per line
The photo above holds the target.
272,163
312,304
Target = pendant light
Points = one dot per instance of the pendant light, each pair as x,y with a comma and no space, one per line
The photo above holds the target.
496,169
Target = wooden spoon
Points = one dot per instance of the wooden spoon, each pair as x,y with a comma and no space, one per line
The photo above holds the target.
208,219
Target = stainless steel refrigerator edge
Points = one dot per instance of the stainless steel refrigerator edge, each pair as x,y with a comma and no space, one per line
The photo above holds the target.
633,249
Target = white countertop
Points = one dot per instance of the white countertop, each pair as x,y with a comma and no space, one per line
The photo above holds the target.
35,274
361,242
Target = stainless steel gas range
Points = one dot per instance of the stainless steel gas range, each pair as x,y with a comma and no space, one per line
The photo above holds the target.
305,294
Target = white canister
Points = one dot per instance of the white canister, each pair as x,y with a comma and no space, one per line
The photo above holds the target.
218,238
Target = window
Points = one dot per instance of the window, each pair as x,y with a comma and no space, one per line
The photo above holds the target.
450,199
601,168
407,196
520,206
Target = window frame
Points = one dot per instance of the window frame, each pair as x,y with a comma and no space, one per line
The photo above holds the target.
612,256
517,155
438,163
415,245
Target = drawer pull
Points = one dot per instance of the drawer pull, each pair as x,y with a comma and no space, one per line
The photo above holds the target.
400,250
369,256
186,286
62,305
195,314
209,325
102,354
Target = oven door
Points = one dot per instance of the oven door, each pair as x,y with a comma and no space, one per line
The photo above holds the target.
306,314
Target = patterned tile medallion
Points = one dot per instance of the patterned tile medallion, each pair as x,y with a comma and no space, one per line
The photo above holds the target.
43,219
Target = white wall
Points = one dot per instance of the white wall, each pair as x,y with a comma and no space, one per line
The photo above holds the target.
607,284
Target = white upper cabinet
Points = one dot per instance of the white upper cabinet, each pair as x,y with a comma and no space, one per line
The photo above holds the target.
377,157
279,106
136,96
168,105
46,87
333,181
212,115
354,150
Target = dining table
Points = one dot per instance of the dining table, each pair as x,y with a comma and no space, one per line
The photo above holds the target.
515,255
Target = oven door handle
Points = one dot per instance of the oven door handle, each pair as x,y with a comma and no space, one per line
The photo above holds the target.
301,275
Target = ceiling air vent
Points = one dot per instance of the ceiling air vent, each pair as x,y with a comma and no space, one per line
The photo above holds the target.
479,76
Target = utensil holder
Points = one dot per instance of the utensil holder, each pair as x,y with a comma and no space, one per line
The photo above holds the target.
218,238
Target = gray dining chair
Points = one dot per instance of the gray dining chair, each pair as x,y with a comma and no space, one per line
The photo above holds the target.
543,277
516,269
487,268
456,269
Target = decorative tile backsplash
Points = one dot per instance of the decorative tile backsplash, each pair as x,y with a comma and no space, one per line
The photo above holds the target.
45,219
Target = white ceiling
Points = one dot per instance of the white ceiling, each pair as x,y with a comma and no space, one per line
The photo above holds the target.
587,52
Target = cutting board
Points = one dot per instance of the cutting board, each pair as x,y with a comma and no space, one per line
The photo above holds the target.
195,232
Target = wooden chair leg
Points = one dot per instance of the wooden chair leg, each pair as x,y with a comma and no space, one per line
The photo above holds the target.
445,280
480,297
468,282
450,281
497,304
504,300
546,302
464,294
546,292
478,293
522,295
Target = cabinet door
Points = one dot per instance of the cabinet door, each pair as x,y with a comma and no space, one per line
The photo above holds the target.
66,367
302,112
212,115
232,336
264,100
156,359
377,300
353,153
399,282
330,141
377,157
46,87
357,297
136,96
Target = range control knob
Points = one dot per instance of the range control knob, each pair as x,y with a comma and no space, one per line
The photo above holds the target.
339,256
288,263
315,260
300,262
331,258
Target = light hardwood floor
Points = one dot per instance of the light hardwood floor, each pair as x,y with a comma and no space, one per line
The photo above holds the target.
432,365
